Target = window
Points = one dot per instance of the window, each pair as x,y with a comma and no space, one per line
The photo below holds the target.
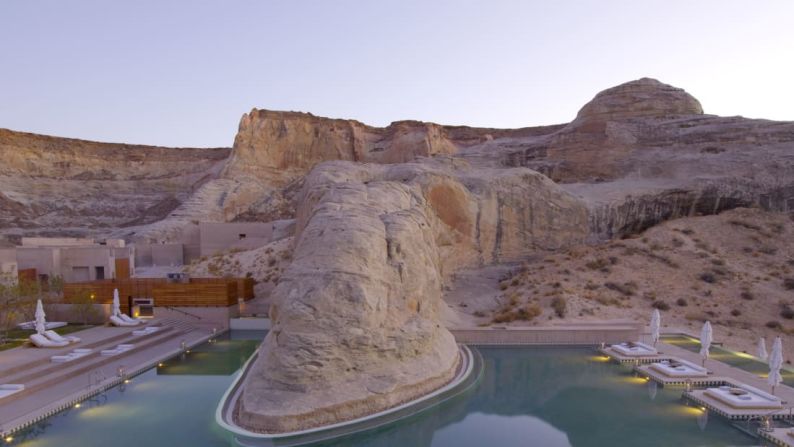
100,272
242,236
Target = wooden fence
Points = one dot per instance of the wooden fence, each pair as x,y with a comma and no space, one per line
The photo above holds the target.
198,292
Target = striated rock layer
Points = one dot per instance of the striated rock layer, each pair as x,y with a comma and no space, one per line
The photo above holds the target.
66,186
356,315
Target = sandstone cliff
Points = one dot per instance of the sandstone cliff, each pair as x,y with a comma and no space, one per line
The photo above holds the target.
62,186
356,314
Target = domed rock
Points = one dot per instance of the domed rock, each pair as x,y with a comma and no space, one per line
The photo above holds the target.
644,97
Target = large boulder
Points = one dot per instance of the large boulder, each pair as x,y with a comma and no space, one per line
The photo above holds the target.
357,313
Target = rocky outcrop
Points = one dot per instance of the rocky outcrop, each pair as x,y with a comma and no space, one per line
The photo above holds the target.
644,152
295,142
79,187
356,315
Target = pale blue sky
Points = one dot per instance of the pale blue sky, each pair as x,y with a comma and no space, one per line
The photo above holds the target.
181,73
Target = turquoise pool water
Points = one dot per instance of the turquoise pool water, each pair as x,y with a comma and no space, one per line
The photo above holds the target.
545,397
739,360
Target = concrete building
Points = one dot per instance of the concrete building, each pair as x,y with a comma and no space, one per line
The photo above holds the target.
8,265
211,238
74,259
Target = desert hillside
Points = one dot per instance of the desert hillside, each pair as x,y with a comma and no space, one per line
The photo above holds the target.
735,269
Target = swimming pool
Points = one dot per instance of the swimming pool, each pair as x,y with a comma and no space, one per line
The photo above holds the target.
528,396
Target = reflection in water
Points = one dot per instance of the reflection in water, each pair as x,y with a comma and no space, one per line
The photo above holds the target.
554,396
653,388
484,429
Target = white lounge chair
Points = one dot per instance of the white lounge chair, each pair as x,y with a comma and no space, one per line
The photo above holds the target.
145,331
129,319
56,337
74,355
8,389
117,350
44,342
121,323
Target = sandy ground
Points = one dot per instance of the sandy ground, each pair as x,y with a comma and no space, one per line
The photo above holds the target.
735,270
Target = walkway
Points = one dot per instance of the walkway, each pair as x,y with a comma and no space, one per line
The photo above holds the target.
50,387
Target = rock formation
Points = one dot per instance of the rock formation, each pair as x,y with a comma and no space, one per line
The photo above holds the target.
356,315
71,187
386,216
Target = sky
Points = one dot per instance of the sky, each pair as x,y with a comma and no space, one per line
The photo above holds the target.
182,72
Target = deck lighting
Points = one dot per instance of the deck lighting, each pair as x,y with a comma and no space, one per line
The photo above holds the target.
77,405
8,439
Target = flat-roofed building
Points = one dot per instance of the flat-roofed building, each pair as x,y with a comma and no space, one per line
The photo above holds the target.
75,260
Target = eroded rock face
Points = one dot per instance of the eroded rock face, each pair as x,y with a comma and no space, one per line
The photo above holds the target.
75,187
356,314
294,141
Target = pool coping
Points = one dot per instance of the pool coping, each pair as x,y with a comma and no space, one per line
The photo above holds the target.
224,418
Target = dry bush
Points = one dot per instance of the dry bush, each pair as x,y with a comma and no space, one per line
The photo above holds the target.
560,306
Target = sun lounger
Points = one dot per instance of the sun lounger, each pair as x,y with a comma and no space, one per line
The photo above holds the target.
146,331
129,319
44,342
679,369
74,355
634,349
8,389
54,336
117,350
744,397
121,323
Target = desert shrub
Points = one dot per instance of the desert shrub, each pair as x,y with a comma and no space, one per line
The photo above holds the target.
788,283
661,305
768,250
677,242
626,289
747,295
719,262
773,325
736,312
526,313
560,306
708,277
597,264
743,224
787,312
681,302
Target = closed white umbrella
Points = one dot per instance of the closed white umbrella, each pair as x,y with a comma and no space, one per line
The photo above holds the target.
41,323
762,349
705,341
656,320
775,363
116,305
